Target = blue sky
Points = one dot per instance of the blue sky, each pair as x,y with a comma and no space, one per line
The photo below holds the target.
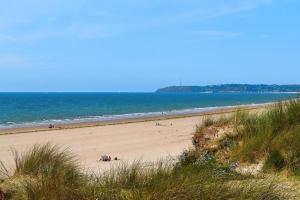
141,45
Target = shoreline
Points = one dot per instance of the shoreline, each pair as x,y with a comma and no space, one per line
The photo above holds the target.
143,139
165,116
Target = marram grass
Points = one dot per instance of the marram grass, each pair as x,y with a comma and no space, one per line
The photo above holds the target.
47,172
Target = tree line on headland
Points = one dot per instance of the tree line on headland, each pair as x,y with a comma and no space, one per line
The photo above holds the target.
230,88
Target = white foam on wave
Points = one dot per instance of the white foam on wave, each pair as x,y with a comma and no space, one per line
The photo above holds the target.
106,118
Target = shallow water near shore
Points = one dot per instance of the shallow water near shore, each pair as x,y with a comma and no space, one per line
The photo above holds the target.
34,109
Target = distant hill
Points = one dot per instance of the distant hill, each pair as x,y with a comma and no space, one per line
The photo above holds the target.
230,88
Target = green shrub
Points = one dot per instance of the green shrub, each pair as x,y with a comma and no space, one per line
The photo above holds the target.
275,161
208,121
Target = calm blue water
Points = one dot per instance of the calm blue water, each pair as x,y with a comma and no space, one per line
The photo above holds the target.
27,109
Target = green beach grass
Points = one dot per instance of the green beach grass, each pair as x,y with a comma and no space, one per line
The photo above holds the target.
273,136
46,172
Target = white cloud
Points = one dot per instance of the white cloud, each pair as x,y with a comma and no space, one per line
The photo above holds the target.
212,34
208,10
18,61
58,18
86,31
13,61
7,38
78,31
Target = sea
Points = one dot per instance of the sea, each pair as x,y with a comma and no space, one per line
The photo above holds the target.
36,109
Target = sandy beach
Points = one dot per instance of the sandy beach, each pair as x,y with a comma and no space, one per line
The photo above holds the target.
142,139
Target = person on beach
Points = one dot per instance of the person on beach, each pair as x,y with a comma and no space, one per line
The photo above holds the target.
105,158
51,126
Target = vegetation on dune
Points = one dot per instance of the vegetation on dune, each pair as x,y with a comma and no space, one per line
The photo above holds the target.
46,172
272,136
205,172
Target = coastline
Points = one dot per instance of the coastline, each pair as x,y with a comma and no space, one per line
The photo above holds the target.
145,140
143,118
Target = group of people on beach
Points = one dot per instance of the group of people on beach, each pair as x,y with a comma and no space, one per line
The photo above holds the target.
107,158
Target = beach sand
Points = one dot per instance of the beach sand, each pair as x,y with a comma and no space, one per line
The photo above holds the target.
142,139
